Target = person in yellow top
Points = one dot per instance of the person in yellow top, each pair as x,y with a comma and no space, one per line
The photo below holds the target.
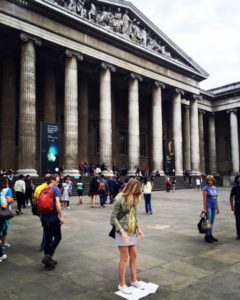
36,195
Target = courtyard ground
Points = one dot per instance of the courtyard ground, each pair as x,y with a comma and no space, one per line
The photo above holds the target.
173,254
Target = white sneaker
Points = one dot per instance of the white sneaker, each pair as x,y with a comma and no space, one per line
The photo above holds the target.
6,245
124,289
137,284
3,257
68,207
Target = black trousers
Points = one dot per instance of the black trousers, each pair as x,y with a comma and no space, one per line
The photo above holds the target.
53,236
28,196
237,215
20,200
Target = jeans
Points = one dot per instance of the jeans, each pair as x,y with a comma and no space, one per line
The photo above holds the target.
20,200
53,236
148,206
211,214
237,216
103,199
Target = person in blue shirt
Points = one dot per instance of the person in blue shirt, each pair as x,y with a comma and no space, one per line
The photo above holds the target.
210,205
3,205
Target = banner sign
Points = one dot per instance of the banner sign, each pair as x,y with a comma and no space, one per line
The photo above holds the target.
49,147
170,159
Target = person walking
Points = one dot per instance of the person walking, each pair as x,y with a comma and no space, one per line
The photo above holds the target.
103,191
20,189
147,194
80,188
235,203
93,191
173,183
3,205
210,206
65,193
168,184
111,185
51,223
124,219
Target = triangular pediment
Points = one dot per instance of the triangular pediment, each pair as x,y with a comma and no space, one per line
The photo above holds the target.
127,23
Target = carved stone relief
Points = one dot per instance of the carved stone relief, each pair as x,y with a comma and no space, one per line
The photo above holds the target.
120,22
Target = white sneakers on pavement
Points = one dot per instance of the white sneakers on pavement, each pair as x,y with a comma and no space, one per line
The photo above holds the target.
125,289
137,284
2,258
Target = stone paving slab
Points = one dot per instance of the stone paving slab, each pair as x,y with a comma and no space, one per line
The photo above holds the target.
173,254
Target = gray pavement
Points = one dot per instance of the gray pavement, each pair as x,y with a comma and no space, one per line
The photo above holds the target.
172,255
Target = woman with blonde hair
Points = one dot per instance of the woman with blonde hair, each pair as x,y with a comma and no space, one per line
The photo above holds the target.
210,205
124,219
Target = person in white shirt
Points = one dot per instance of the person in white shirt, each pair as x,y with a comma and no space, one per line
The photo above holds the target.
20,189
147,194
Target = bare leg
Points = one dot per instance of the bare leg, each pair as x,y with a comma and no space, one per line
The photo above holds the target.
133,262
124,253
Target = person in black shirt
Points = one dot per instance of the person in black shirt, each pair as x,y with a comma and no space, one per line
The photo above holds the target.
235,203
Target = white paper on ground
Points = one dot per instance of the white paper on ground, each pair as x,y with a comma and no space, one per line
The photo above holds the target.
149,288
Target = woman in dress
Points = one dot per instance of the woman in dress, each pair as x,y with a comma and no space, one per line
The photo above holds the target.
93,191
124,219
210,206
65,193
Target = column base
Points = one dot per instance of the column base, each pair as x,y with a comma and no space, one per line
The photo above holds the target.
178,173
31,172
71,173
195,173
131,173
161,173
234,173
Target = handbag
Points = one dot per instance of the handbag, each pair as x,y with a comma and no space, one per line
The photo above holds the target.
112,232
204,224
5,214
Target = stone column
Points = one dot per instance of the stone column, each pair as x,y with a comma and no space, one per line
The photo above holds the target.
212,145
187,143
27,107
177,132
71,113
234,140
195,153
133,123
105,118
157,128
8,114
83,120
49,95
201,141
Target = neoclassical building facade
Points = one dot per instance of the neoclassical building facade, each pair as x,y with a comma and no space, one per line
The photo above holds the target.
121,91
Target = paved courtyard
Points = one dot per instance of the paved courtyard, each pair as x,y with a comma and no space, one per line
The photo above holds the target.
172,255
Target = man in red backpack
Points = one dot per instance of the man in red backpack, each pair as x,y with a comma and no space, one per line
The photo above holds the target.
52,219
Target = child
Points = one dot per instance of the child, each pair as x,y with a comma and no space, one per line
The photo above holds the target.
80,188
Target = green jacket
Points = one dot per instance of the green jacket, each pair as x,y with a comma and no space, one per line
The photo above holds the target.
120,208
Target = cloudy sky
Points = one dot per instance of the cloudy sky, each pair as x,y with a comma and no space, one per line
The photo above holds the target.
207,30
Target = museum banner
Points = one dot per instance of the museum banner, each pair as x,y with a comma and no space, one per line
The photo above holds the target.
49,147
170,159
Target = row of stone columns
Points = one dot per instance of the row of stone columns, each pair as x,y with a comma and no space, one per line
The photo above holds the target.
191,152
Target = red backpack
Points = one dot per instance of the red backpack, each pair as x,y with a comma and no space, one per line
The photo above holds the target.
102,187
46,203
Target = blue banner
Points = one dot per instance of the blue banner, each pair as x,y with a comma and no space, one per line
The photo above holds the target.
49,148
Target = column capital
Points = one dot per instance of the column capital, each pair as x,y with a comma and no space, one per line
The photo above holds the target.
179,91
196,97
232,110
135,76
187,107
159,84
25,37
70,53
201,111
106,66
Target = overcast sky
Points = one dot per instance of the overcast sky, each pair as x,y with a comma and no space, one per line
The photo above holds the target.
207,30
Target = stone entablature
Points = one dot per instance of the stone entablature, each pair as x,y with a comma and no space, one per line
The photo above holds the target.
120,20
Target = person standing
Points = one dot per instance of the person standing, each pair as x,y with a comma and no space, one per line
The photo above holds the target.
103,191
168,184
80,188
147,194
124,219
3,205
235,203
111,185
20,189
174,182
210,206
65,193
29,190
93,191
51,223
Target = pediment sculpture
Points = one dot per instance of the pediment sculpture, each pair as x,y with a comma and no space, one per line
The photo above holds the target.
120,21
